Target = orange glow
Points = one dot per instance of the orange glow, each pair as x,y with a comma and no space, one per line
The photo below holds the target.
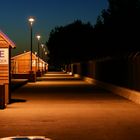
21,63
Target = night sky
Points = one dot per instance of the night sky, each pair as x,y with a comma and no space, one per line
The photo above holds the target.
48,14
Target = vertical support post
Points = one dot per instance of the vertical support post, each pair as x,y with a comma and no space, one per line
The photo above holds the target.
9,86
38,55
31,47
2,96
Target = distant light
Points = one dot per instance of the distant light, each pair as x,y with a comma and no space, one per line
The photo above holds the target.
31,20
35,53
42,45
38,37
70,73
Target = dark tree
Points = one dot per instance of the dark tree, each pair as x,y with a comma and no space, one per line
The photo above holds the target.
116,32
70,43
120,27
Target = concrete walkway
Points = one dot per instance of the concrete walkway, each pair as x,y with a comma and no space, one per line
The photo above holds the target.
62,107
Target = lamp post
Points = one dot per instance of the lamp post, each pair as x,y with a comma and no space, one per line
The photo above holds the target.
31,21
38,38
42,45
45,60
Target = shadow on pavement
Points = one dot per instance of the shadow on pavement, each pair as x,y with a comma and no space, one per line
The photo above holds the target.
17,101
64,87
68,92
17,83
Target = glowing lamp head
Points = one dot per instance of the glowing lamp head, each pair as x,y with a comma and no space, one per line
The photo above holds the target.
38,37
42,45
31,20
35,53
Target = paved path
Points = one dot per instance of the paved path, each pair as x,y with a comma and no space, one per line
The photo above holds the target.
62,107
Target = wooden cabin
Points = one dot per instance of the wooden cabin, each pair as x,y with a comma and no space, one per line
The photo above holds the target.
5,52
21,64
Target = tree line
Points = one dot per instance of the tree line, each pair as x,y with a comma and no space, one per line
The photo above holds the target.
116,32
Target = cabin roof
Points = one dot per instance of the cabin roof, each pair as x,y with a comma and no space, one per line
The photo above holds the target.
5,41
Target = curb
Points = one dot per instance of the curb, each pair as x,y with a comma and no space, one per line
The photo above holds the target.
124,92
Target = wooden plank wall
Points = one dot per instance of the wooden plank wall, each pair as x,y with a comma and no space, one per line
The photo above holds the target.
4,73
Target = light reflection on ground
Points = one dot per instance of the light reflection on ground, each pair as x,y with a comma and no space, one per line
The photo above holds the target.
69,109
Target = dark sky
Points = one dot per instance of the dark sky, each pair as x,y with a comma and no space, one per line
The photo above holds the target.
48,14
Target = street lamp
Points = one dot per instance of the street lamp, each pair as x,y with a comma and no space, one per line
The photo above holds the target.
31,21
36,53
38,38
42,45
46,64
46,53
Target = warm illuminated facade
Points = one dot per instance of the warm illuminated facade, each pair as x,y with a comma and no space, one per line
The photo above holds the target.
5,45
20,64
5,49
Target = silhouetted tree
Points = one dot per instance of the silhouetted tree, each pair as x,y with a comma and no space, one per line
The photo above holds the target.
120,27
70,43
116,32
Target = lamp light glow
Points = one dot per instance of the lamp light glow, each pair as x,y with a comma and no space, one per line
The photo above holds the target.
31,20
38,37
42,45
